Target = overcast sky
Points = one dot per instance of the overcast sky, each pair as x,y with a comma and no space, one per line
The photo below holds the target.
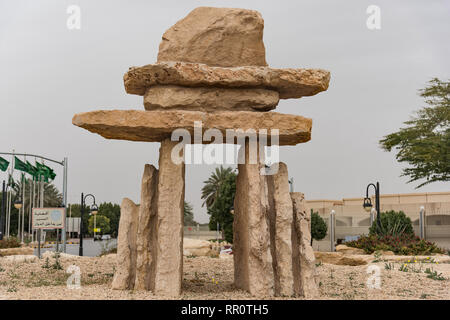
49,73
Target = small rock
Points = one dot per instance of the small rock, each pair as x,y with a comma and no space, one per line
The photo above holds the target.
348,250
338,258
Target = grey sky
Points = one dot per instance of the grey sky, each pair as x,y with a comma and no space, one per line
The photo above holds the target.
49,73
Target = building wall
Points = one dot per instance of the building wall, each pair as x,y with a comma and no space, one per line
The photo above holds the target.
352,219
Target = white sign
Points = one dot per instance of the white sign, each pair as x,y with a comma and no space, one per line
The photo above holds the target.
48,218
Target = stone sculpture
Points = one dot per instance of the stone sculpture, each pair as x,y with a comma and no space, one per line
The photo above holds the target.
211,68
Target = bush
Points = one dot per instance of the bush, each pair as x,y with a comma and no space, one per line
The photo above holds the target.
10,242
318,227
405,244
393,224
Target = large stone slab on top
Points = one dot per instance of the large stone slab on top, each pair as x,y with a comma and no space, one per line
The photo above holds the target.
155,126
290,83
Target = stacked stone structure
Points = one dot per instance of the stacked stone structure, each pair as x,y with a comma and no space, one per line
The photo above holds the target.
211,68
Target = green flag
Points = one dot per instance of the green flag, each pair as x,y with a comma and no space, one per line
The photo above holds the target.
43,171
51,173
32,170
19,165
3,164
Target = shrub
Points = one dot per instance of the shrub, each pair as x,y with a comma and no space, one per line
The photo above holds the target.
318,227
393,224
406,244
10,242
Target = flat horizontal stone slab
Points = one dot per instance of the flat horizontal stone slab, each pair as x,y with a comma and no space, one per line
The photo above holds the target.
290,83
154,126
209,99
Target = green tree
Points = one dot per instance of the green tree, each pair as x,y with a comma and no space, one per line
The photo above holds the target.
424,143
318,227
220,211
211,186
112,212
107,209
101,222
189,215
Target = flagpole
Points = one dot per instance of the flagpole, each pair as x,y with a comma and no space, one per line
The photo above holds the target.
23,209
23,205
33,204
29,211
7,206
42,196
64,234
19,212
38,193
10,193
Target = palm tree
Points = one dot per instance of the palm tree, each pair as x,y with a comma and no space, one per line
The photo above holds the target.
211,188
189,214
52,196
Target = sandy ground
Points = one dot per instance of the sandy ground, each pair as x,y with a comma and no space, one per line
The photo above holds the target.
212,278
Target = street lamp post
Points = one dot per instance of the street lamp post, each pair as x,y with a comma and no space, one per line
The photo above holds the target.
18,206
94,210
367,204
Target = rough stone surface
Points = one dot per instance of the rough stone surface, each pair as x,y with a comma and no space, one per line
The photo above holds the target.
146,236
280,217
16,251
170,203
348,250
251,240
196,247
217,37
125,274
155,126
340,259
303,259
210,99
19,258
290,83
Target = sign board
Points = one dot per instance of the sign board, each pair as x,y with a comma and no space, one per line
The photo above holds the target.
48,218
97,230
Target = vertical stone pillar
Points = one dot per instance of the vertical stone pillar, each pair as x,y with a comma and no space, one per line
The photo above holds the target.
146,235
280,217
250,240
125,274
303,258
170,206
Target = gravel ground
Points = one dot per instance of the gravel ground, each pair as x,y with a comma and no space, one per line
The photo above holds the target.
212,278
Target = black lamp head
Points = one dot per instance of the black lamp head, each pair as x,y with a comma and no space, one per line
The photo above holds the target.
94,209
367,204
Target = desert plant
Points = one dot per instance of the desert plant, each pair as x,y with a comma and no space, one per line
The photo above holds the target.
57,264
46,265
393,224
432,274
405,244
11,242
